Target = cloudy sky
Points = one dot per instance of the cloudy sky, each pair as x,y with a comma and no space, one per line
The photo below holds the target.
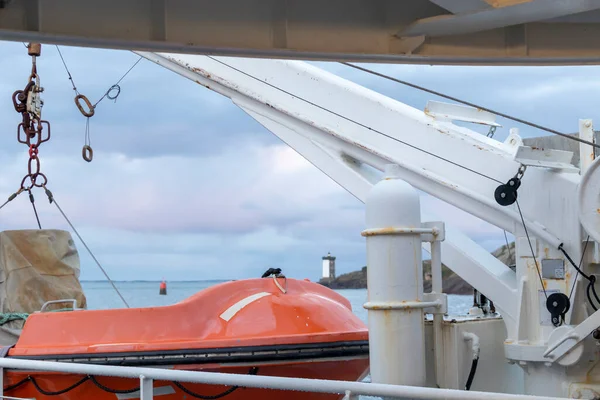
184,185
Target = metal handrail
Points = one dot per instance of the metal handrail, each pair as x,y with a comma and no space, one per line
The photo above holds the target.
148,375
46,304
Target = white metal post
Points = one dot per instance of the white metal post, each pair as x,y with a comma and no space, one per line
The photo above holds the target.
436,287
349,396
146,388
395,282
587,155
436,267
435,239
586,152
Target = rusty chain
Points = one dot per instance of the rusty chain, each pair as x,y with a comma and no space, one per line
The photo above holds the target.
32,131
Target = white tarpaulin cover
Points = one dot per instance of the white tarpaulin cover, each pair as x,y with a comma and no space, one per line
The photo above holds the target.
36,266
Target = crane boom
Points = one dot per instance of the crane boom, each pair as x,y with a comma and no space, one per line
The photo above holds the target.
350,133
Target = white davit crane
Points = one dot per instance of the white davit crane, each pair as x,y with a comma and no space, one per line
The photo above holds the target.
547,329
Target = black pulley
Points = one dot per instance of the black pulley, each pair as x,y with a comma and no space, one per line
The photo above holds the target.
514,183
505,195
558,305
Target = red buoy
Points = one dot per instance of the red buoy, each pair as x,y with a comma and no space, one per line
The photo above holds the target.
163,287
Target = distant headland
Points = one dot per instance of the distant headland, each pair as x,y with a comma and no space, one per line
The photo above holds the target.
451,283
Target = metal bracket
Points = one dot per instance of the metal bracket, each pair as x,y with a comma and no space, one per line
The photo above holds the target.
438,230
46,304
455,112
524,352
546,158
441,301
513,140
401,305
429,231
34,101
571,337
397,231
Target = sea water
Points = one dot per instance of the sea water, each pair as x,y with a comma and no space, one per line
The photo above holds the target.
101,295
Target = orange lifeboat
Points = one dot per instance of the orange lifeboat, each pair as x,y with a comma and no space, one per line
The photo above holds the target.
273,327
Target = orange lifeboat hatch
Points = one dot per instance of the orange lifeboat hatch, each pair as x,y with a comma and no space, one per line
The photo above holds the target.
274,327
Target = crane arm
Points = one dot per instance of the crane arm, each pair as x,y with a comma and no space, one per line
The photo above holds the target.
350,132
452,163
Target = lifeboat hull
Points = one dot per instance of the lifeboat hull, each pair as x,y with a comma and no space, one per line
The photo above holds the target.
267,327
123,388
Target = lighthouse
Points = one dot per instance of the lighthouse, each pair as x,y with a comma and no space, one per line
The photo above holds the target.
329,267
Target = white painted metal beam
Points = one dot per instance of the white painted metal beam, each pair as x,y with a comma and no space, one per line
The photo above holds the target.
493,18
464,6
454,164
455,112
569,337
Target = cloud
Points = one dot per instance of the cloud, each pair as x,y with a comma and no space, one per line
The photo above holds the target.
184,185
156,113
249,206
543,95
255,186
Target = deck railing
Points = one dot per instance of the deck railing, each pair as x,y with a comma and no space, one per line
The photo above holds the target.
351,390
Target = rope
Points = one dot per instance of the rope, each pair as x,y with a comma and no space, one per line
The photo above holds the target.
11,198
108,94
253,371
67,69
8,317
53,200
537,267
112,93
116,85
591,278
16,385
508,247
58,392
87,138
109,390
37,217
14,316
522,121
578,269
